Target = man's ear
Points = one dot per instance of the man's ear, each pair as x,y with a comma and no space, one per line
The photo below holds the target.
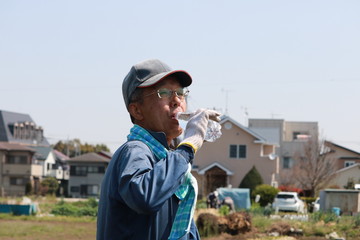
135,111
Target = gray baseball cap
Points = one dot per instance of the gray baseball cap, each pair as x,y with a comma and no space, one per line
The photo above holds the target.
148,73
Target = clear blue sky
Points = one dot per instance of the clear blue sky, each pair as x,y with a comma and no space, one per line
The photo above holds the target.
63,62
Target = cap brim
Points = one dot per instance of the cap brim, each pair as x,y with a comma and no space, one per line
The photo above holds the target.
183,77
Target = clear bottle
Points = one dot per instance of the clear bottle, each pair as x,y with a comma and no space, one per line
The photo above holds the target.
213,130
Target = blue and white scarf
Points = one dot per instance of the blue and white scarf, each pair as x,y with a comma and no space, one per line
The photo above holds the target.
187,191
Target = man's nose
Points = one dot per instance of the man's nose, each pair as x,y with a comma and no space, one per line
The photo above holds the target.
175,100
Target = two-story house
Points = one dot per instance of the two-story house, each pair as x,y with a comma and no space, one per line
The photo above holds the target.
347,165
19,128
86,174
227,160
18,170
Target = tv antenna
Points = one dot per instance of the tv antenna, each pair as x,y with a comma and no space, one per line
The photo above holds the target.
226,99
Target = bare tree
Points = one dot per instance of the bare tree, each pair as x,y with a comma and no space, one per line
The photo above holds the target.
313,167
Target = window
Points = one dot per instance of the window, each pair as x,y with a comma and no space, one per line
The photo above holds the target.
92,189
287,163
237,151
17,181
102,169
74,189
348,163
16,160
87,189
78,171
233,151
301,136
242,151
96,169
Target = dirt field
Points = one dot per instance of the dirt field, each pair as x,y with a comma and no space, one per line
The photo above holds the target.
36,230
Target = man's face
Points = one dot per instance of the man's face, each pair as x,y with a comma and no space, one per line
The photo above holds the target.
159,113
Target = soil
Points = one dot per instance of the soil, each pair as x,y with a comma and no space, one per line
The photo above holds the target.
43,230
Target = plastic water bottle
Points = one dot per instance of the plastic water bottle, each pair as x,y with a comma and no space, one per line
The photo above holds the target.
213,130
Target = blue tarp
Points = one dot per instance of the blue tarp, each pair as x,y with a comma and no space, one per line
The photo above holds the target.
240,196
18,209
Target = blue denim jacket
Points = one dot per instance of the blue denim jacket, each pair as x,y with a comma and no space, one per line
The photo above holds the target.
137,199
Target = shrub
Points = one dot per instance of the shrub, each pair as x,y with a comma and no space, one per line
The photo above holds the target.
266,192
284,188
49,186
252,179
224,210
64,209
357,220
76,209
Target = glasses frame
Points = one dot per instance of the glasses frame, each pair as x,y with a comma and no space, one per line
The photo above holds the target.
185,94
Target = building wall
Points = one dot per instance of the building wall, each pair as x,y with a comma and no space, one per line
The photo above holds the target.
49,161
93,179
343,176
347,200
291,139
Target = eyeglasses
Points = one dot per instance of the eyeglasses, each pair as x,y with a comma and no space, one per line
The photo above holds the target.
167,93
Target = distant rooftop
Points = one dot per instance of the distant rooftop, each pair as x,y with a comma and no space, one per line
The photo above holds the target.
14,147
20,128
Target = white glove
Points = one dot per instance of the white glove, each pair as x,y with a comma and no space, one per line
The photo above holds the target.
196,128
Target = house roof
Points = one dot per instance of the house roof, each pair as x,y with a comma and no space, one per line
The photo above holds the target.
215,164
60,156
105,154
89,157
7,122
342,147
14,147
42,152
259,138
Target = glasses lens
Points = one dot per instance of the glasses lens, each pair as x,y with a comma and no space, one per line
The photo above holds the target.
181,92
164,93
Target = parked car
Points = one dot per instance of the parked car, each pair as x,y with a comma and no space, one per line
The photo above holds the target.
289,201
316,205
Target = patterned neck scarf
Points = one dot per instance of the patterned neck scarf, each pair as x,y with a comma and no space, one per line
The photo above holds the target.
187,191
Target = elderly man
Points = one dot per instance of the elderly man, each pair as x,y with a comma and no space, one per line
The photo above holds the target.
148,191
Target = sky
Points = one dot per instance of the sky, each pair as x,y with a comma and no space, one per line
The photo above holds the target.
63,61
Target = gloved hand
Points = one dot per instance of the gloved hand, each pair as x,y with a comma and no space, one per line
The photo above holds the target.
196,128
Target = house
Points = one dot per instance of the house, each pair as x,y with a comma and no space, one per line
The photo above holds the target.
346,177
86,174
344,157
20,128
290,136
227,160
53,165
46,158
18,170
62,172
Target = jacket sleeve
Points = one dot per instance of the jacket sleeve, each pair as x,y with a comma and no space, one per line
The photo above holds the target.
146,183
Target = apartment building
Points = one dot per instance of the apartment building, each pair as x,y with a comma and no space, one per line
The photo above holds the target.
290,136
